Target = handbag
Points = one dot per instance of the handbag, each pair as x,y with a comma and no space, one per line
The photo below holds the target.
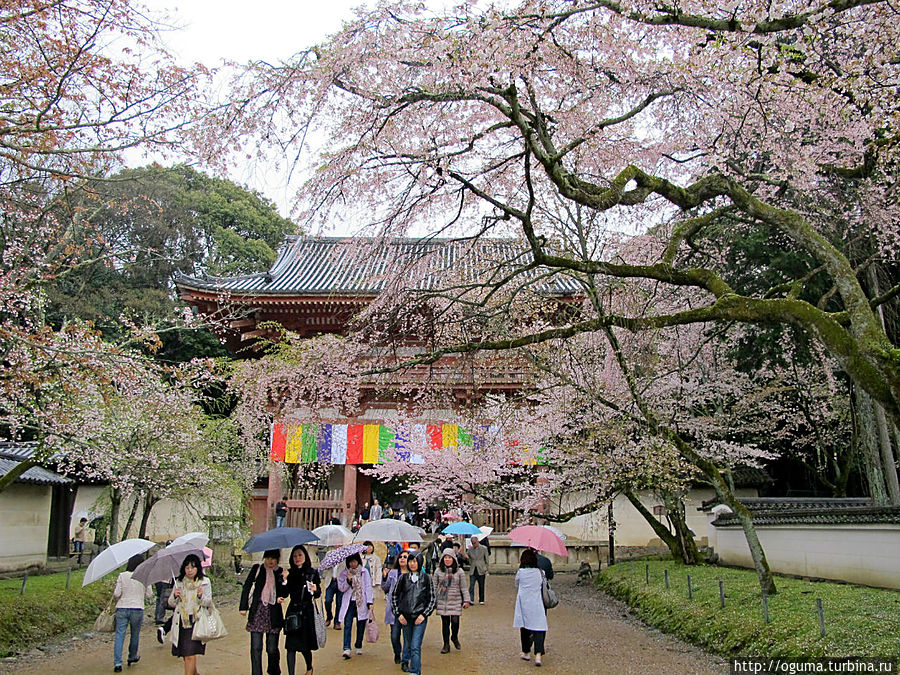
372,631
292,623
319,622
548,595
208,625
106,620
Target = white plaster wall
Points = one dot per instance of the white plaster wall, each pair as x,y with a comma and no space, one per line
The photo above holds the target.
631,527
24,525
168,519
860,554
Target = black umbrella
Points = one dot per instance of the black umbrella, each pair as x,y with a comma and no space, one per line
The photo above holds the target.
280,537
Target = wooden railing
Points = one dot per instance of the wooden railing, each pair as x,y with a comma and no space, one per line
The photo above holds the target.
311,508
502,520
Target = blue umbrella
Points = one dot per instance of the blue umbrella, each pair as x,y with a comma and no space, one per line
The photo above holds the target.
462,527
280,537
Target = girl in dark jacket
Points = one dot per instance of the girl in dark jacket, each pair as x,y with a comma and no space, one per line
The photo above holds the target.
265,614
303,585
412,602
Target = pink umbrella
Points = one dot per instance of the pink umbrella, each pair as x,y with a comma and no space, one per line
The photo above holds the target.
539,538
207,559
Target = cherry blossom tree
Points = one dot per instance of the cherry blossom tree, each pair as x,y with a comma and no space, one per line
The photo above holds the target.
696,119
84,81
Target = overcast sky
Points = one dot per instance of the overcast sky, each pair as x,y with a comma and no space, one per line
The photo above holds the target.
210,31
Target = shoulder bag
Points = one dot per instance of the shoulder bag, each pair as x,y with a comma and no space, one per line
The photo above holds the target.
106,620
208,625
548,595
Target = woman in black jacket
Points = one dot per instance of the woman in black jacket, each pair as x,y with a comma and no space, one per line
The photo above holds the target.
412,602
303,585
265,614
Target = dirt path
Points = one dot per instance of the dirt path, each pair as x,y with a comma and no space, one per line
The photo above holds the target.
589,633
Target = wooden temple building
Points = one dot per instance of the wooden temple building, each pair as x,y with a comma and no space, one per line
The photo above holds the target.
316,286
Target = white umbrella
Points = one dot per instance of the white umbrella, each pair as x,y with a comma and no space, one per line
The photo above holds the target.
333,535
485,531
556,531
113,557
387,529
198,539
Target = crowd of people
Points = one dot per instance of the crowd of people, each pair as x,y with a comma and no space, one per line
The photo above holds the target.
415,585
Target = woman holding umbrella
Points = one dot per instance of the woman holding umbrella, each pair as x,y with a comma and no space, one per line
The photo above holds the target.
356,603
265,614
303,585
130,596
530,616
192,591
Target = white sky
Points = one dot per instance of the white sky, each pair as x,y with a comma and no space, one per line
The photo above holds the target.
270,30
262,29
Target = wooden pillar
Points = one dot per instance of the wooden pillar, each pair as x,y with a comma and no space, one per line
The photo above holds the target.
349,494
274,493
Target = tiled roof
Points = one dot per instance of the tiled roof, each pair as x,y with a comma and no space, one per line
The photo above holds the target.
18,449
35,475
361,266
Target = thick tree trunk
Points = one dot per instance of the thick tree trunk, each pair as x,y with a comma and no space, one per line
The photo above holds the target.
682,548
675,511
149,502
115,505
866,438
131,515
889,463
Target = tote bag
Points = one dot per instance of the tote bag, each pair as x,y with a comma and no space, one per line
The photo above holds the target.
319,622
372,630
106,620
208,625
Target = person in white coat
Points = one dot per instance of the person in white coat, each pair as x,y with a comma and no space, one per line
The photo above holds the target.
130,596
530,617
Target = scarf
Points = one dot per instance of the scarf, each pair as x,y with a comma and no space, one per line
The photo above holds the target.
268,591
190,603
445,580
356,589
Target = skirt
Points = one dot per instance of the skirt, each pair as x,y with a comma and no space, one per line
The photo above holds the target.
187,645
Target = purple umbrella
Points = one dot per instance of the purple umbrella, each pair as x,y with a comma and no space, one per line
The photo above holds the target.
339,555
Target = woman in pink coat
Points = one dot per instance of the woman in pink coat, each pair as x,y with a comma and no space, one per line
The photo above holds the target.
452,597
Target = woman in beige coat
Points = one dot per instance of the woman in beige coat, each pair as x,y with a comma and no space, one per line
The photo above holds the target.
452,597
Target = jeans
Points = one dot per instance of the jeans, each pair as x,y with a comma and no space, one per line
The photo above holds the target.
279,521
348,627
332,594
412,645
124,619
163,591
480,579
256,647
537,636
395,639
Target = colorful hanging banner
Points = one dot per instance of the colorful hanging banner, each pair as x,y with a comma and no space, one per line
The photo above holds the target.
371,443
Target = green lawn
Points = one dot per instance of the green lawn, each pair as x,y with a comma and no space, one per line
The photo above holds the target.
859,621
47,609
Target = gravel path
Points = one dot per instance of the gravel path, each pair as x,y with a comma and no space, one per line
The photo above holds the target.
589,633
